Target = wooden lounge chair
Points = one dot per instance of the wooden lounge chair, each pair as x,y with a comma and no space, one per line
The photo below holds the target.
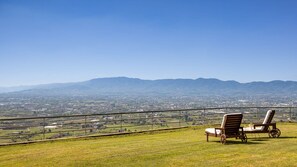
230,127
265,126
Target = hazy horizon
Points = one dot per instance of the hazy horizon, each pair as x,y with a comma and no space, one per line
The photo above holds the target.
62,41
137,78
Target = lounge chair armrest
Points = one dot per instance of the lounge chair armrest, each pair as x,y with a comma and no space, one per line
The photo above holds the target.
241,129
222,129
268,124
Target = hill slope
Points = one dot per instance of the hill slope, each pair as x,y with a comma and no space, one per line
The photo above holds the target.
186,147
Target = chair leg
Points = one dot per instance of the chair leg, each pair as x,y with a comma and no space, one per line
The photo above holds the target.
207,137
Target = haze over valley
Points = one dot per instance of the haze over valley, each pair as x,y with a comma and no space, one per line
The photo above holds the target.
122,94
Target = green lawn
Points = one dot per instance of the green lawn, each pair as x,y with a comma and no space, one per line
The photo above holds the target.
184,147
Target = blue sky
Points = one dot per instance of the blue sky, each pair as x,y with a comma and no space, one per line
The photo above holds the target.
67,41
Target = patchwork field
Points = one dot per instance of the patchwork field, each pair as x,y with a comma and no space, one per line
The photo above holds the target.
183,147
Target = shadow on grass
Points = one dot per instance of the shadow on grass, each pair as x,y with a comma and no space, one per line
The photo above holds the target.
285,137
258,139
268,138
238,142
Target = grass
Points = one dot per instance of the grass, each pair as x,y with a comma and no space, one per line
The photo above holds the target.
184,147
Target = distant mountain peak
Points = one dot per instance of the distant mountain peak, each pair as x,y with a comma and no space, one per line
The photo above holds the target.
199,86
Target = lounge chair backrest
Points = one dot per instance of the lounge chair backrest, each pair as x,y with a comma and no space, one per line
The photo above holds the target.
268,119
231,123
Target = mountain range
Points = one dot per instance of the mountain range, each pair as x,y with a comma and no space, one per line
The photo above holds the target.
124,85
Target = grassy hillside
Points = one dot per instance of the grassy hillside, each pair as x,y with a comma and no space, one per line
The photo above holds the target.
184,147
